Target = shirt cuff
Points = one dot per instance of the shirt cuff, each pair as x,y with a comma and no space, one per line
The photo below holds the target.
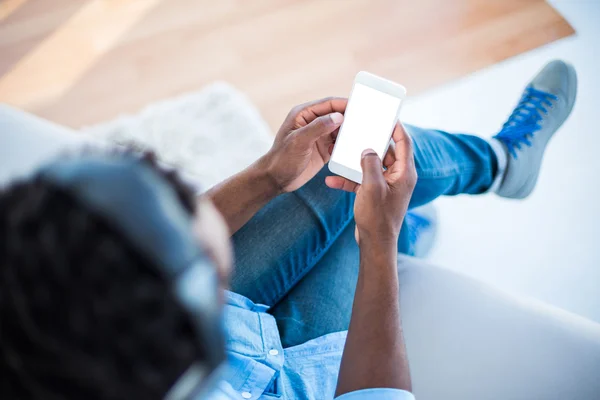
379,394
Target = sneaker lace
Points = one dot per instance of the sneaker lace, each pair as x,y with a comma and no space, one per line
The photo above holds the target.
525,119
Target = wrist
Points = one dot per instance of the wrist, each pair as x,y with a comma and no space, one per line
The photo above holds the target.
382,241
263,177
378,254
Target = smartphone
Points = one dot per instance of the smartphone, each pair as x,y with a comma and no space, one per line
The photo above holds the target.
369,120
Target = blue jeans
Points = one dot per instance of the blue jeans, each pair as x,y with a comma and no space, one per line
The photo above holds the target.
298,254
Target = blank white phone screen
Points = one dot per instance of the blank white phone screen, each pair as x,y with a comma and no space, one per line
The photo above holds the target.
368,122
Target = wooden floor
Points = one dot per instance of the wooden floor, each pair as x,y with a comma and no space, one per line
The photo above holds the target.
79,62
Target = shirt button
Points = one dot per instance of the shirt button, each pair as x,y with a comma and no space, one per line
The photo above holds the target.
273,352
246,395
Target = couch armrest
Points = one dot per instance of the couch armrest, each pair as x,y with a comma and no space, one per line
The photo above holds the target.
27,141
467,340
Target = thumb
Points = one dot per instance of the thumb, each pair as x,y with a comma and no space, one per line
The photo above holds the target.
371,167
320,126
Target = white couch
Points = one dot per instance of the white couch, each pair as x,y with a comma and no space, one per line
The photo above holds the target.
465,339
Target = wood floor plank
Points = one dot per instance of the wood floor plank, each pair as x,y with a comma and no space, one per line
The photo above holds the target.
280,52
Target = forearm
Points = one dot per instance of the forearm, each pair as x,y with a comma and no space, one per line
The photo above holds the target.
241,196
375,354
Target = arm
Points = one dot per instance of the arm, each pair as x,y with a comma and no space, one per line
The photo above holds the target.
241,196
298,153
375,354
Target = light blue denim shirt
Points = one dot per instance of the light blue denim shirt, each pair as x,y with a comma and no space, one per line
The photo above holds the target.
261,369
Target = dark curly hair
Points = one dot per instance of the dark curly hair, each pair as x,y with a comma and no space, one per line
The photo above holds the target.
83,315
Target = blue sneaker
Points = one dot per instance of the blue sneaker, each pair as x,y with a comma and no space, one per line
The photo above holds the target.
544,106
422,226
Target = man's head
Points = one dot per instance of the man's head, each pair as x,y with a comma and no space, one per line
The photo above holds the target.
85,310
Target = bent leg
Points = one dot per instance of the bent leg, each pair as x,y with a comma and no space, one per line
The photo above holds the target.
321,303
450,164
285,239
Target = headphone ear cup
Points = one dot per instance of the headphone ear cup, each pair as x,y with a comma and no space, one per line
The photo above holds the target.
195,289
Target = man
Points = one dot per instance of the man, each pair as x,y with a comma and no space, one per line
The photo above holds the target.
84,313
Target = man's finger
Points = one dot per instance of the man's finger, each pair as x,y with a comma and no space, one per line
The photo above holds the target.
320,126
404,148
338,182
308,112
335,134
371,168
390,156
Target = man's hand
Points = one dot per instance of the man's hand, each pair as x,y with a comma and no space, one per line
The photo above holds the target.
299,152
301,145
375,354
382,199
